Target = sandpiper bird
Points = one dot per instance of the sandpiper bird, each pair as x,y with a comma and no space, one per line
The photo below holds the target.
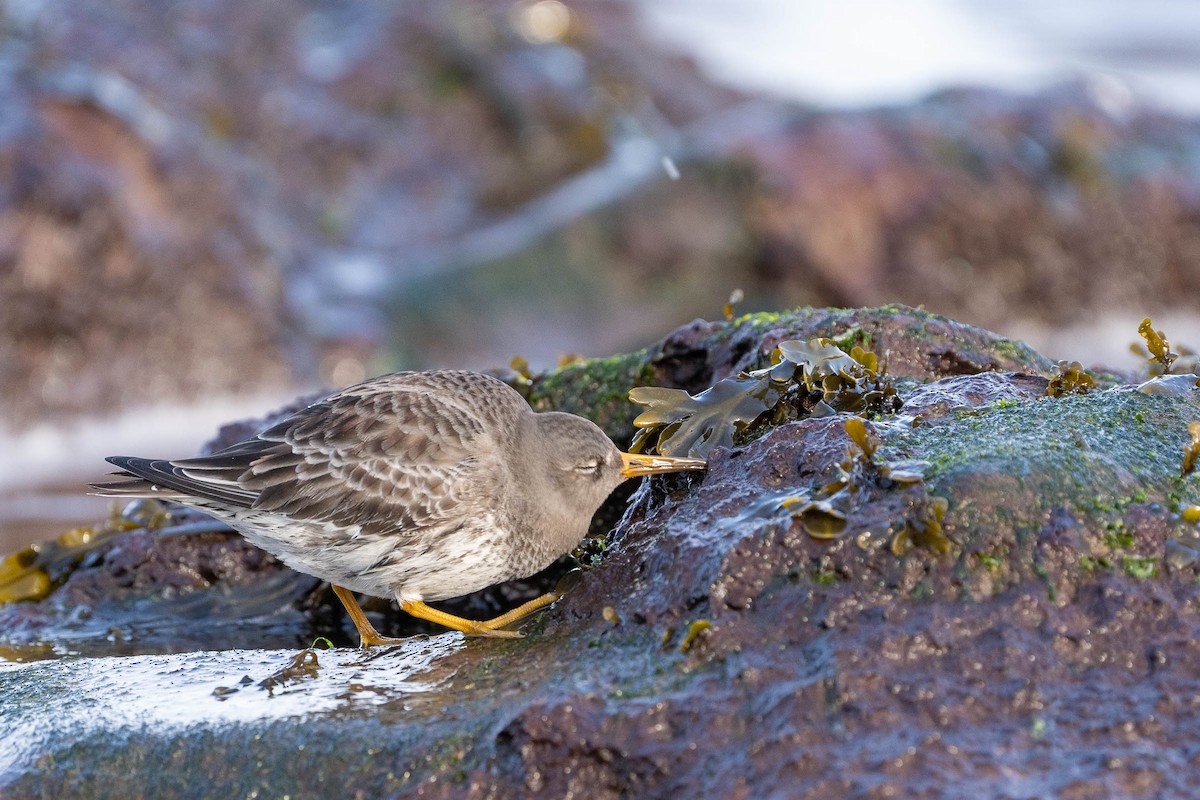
419,486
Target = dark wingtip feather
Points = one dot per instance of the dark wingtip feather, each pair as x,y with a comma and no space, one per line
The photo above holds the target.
163,479
132,486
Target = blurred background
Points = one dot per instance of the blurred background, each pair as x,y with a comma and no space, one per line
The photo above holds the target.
207,208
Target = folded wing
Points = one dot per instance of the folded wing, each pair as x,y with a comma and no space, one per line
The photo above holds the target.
393,458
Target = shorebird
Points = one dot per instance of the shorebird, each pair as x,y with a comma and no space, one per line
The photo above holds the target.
418,486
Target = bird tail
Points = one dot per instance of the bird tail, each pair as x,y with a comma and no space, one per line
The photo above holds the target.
167,480
133,487
142,478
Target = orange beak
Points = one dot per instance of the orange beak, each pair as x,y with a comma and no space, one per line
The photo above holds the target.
637,465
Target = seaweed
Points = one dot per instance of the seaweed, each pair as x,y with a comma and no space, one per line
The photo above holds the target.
303,666
1069,378
518,375
1161,358
590,551
694,631
730,307
861,470
923,527
813,378
693,426
1191,451
35,571
862,476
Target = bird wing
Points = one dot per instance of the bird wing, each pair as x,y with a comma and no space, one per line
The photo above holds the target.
165,480
379,457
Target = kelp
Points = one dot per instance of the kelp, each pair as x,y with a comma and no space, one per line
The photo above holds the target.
1069,378
813,378
863,477
1161,358
1191,452
683,425
34,571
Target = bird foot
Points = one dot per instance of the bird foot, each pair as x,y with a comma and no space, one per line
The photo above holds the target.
492,628
371,638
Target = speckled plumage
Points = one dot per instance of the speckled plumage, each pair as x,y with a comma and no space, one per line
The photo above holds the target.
419,485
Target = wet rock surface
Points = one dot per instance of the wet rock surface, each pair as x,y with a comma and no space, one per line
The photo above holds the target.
719,647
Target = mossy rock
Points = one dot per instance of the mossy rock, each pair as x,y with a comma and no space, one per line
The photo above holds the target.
721,646
912,342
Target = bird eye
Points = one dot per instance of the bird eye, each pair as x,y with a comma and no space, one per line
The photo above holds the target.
590,466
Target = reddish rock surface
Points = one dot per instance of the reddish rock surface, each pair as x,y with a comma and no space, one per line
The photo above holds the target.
189,191
984,207
718,647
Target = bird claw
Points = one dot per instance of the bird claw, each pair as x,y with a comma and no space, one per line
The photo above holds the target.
378,641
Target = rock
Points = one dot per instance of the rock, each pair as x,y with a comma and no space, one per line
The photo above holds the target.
719,647
978,203
116,253
186,196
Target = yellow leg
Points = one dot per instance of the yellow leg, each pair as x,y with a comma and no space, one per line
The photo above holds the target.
467,626
470,627
367,634
523,610
370,637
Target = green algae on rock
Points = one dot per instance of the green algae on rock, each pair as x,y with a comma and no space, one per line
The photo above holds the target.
917,344
1068,596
